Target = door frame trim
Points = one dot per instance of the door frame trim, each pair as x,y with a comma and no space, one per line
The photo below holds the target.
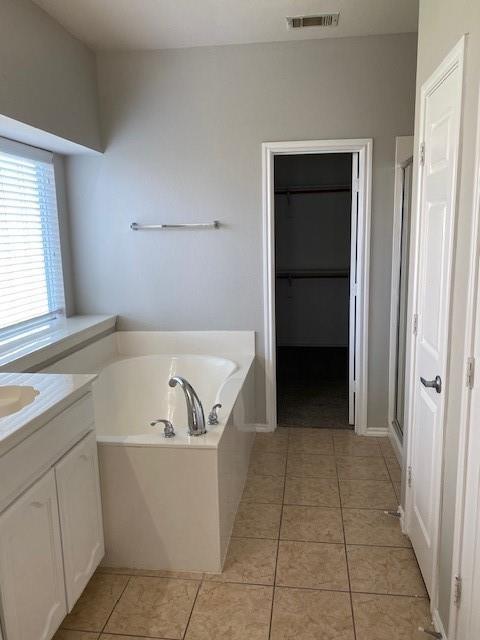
453,60
466,540
364,148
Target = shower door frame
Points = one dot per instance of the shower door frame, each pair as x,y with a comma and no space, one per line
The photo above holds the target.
360,289
403,156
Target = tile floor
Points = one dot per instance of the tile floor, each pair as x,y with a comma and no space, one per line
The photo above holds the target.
313,557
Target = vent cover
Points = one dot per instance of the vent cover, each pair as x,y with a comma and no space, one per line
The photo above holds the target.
323,20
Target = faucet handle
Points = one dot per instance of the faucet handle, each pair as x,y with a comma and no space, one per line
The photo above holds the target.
168,430
213,415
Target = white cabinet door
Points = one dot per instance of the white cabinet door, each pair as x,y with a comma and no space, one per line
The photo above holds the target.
31,569
80,515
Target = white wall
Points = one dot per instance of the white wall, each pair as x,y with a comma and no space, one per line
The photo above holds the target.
441,25
47,77
184,130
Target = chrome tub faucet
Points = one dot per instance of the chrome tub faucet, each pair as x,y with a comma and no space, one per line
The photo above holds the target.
196,416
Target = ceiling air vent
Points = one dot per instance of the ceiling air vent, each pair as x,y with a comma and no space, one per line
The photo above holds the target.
323,20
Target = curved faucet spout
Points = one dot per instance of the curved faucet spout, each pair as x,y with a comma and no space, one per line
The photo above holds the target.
196,416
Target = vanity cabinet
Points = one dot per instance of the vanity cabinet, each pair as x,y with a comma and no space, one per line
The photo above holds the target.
31,564
80,515
51,533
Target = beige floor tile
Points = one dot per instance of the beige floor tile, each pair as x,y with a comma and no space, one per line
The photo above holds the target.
316,442
67,634
361,468
314,524
248,560
231,612
386,570
268,464
357,447
390,617
111,636
347,434
373,527
276,442
257,520
321,492
268,489
155,607
394,469
386,447
311,615
312,565
96,602
152,573
368,494
316,447
314,466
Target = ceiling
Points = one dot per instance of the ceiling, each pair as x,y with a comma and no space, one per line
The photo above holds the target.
167,24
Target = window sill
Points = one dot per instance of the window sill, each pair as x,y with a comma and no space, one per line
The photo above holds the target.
59,338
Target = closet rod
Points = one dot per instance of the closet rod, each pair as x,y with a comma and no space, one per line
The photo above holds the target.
333,188
313,273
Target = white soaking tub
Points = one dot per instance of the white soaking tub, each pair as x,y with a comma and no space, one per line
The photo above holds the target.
169,503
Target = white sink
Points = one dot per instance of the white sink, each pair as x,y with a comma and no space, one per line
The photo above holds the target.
15,397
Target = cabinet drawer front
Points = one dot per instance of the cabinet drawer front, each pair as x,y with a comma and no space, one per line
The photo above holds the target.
31,567
26,462
80,508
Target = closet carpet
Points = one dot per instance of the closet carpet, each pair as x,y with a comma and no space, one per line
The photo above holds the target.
312,387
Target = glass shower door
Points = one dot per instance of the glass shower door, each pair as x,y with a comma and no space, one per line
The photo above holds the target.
399,405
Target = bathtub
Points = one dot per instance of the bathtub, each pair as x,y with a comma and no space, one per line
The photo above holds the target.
169,503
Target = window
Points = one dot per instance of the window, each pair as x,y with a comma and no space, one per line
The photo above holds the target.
31,279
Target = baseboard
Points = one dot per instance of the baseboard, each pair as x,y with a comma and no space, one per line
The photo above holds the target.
437,623
376,431
264,428
396,444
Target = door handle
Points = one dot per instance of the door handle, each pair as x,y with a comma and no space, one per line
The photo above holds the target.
433,384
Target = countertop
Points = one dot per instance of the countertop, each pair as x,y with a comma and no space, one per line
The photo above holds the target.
56,393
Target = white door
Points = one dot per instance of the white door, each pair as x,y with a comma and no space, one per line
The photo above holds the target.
352,374
80,515
31,569
441,106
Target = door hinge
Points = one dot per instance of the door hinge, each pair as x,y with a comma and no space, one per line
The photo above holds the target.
470,379
457,591
422,153
355,289
415,324
409,476
355,185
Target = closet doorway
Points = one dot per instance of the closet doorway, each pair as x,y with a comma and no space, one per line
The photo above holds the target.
316,214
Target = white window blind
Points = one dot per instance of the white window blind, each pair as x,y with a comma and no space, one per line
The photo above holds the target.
31,278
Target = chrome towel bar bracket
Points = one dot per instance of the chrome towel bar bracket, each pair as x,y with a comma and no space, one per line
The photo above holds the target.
136,226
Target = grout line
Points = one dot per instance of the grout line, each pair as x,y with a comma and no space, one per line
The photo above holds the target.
346,561
278,543
193,607
115,605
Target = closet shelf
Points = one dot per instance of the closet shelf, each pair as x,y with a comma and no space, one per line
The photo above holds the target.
313,273
330,188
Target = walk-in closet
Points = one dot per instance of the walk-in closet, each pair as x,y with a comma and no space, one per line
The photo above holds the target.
313,257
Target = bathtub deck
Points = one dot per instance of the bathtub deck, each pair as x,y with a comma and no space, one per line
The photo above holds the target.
313,556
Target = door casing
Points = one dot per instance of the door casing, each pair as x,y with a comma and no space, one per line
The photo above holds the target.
364,148
464,621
